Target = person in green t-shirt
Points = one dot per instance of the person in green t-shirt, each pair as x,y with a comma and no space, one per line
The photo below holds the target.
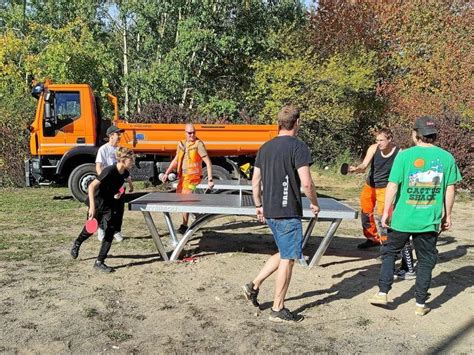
422,184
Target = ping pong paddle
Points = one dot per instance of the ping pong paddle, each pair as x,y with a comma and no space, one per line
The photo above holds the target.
344,168
92,225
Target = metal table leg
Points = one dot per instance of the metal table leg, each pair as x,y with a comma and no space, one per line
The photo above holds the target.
325,242
309,230
198,223
171,230
155,235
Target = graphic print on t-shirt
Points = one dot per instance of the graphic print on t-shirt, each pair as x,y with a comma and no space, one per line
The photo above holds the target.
284,201
424,182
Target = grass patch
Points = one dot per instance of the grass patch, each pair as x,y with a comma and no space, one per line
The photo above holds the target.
363,322
90,312
118,336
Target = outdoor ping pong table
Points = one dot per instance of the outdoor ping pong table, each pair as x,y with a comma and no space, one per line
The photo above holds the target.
212,206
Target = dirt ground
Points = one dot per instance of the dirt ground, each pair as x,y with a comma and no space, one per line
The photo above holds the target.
52,304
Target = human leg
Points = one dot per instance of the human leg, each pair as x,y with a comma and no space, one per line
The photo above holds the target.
389,250
82,237
186,186
118,218
395,242
269,268
367,204
108,223
251,289
380,202
288,236
283,278
427,254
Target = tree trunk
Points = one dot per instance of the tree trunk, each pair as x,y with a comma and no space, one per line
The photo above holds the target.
125,66
137,89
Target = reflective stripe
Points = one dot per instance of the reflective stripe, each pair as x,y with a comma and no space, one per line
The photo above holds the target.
66,144
207,143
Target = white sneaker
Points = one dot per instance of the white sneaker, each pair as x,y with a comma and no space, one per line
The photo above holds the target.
118,236
100,234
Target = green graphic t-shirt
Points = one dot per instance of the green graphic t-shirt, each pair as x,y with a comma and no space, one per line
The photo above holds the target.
422,175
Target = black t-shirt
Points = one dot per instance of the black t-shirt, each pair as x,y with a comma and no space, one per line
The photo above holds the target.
110,183
279,160
380,168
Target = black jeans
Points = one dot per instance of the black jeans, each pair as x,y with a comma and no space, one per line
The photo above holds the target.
118,214
426,253
105,219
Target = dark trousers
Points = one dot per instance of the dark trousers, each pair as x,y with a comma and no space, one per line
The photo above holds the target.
425,247
118,214
105,219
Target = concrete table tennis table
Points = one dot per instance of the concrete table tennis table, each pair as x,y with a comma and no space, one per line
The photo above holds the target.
208,207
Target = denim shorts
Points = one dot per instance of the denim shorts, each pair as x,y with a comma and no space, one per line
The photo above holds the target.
288,234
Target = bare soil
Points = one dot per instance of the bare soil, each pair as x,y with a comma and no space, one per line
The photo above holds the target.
51,304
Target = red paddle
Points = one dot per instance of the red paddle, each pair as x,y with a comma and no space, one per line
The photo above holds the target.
344,168
92,225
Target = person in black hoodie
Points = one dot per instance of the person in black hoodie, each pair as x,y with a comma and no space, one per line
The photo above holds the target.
104,198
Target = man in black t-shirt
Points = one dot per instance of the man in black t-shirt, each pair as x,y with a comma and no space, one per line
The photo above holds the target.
104,199
282,167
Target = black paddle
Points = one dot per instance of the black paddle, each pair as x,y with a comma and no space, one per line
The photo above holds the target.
344,168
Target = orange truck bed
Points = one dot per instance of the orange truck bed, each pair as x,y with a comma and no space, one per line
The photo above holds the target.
220,140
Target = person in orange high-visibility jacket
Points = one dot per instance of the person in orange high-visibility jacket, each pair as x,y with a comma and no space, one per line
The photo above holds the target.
188,162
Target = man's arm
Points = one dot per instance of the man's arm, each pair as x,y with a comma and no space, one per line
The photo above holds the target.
172,166
448,207
308,187
365,163
91,192
390,193
257,193
98,168
210,182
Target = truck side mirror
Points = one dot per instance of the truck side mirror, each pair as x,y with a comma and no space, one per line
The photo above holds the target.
49,107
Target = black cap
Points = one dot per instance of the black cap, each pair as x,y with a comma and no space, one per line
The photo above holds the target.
426,126
113,129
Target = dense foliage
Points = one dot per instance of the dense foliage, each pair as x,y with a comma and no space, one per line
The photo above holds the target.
350,65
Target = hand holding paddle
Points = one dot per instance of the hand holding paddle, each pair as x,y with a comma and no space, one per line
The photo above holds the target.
120,193
92,225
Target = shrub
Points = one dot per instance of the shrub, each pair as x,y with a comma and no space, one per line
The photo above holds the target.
13,150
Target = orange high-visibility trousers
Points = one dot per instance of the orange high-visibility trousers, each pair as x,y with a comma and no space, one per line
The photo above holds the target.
187,183
372,199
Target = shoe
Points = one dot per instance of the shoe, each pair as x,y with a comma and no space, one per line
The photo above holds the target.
118,236
182,229
379,299
421,311
99,265
75,249
284,315
401,274
251,294
368,244
100,234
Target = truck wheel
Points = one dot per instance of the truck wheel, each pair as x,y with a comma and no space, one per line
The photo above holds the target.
80,179
218,173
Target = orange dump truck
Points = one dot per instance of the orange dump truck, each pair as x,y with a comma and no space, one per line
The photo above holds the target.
67,133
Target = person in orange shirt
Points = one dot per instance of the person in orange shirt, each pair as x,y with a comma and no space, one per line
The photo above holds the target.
188,162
